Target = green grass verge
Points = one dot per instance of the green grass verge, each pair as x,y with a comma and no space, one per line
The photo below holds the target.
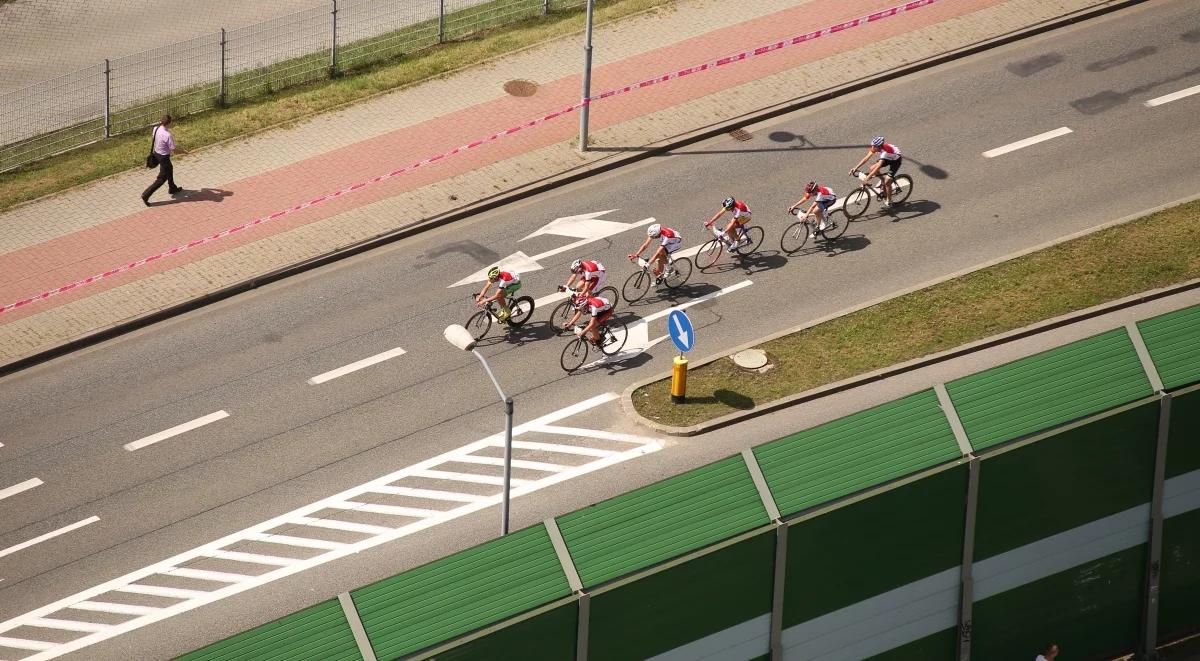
264,100
1156,251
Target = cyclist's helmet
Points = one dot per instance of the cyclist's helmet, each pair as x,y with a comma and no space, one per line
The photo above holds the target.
581,302
577,266
877,141
728,203
493,273
810,187
654,231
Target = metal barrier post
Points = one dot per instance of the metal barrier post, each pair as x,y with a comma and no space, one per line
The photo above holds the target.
587,79
107,95
221,95
333,71
1154,558
967,589
441,21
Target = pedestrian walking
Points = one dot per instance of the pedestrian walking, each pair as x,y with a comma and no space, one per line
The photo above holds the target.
1049,654
160,153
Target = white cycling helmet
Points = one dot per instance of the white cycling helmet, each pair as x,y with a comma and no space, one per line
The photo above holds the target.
877,141
654,231
577,266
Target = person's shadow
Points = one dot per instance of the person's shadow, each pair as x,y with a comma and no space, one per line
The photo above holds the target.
190,195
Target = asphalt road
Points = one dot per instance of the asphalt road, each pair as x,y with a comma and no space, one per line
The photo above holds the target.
287,443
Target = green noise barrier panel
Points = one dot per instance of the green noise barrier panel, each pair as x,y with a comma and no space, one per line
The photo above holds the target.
460,593
1048,389
1173,341
661,521
879,572
1183,448
548,636
702,608
318,633
857,452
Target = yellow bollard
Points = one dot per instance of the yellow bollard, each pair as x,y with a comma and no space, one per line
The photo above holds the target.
679,380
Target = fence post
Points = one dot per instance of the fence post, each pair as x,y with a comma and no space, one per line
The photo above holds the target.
107,103
333,71
221,94
545,7
441,21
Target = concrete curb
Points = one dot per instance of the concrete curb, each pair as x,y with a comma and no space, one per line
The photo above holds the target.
916,363
600,166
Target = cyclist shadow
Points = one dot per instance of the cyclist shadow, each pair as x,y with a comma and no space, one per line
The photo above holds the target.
685,292
533,331
907,211
847,243
757,262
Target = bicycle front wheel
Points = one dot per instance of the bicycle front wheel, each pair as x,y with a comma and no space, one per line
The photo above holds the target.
681,270
479,324
840,223
520,310
709,254
902,188
637,285
856,203
794,237
561,315
574,355
613,338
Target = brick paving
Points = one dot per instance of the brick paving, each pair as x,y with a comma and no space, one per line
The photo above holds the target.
86,231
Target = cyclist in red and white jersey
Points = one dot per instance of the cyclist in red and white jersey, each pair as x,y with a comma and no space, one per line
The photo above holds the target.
600,309
507,283
590,274
669,241
823,197
741,216
890,158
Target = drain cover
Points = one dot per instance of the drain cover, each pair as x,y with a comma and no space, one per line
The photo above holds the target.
520,87
750,359
740,134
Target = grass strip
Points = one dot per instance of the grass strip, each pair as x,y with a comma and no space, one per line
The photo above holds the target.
279,108
1155,251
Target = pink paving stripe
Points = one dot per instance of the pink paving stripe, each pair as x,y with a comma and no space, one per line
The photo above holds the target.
663,78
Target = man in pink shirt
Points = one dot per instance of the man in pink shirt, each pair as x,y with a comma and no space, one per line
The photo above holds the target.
164,146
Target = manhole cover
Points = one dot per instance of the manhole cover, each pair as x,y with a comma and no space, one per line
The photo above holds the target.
740,134
520,87
750,359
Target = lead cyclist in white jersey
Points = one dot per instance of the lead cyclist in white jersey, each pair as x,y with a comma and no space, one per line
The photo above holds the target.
889,157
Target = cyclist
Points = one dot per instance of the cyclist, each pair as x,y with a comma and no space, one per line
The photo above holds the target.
741,216
507,283
823,197
600,309
669,241
590,274
889,157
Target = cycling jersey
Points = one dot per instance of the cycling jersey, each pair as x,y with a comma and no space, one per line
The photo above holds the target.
888,152
669,237
592,270
507,278
824,194
740,209
597,305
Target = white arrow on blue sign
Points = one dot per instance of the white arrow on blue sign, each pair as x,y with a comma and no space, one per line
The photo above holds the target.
680,328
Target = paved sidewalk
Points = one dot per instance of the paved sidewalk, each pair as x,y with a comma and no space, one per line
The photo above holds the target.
98,228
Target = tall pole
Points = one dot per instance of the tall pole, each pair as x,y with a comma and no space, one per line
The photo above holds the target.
333,71
587,79
107,97
508,426
221,94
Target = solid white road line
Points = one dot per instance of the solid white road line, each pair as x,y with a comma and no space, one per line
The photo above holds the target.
159,591
1021,144
349,526
66,625
109,607
18,488
467,477
175,431
394,510
595,433
430,494
1173,96
516,463
254,558
53,533
356,365
561,449
289,540
207,575
23,644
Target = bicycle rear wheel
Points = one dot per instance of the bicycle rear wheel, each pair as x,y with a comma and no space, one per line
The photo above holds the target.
520,311
574,355
612,340
561,315
840,223
609,294
479,324
755,234
905,184
794,237
709,254
856,203
637,285
681,270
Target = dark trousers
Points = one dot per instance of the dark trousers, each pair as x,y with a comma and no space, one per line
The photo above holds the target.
166,173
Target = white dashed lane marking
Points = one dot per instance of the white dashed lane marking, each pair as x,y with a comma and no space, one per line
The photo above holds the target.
356,365
1173,96
176,430
1027,142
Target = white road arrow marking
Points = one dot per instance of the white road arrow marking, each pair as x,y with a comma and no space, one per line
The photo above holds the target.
585,227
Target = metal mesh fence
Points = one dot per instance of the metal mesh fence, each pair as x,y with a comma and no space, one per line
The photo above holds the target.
133,91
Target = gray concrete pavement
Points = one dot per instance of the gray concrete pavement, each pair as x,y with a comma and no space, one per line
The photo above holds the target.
288,443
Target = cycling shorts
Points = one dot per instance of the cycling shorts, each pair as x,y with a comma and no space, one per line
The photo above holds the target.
892,166
512,289
824,205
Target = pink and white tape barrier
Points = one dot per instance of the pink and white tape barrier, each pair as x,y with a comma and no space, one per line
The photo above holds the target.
765,49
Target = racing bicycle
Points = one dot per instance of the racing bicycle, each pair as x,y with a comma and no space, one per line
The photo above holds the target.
796,235
520,309
750,237
858,200
564,311
675,273
612,339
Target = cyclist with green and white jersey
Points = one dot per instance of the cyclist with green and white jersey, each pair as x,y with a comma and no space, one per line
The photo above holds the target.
507,284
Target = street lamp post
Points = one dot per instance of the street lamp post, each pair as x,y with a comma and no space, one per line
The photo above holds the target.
461,338
587,78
